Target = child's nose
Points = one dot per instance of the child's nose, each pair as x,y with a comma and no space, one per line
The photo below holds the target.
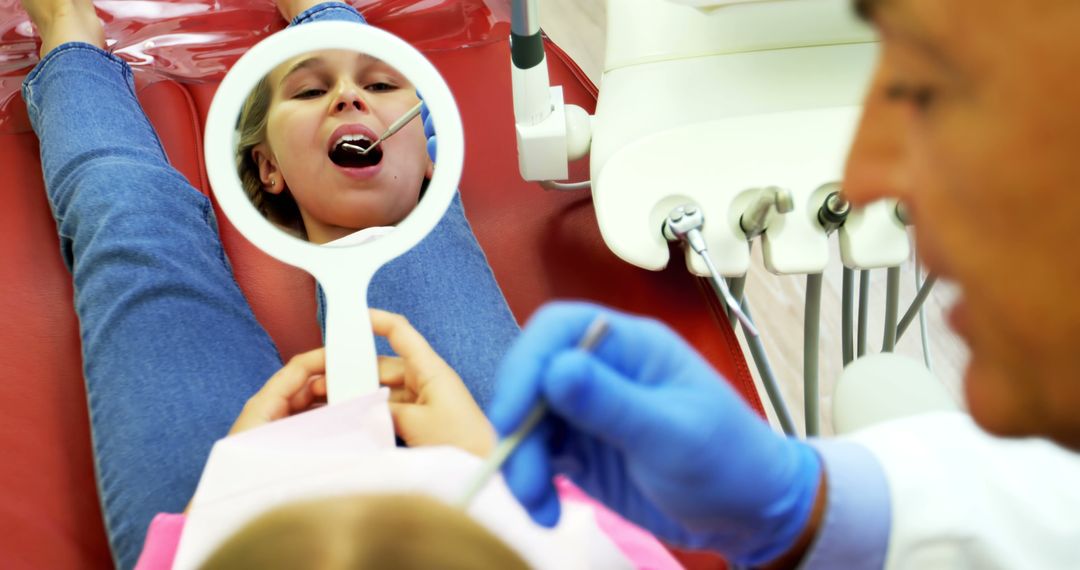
349,99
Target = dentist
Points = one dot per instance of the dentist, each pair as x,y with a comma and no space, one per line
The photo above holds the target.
972,122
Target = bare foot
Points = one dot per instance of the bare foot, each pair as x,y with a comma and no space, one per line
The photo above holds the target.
62,21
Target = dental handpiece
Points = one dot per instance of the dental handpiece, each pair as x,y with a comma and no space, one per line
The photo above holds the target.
596,331
393,128
684,224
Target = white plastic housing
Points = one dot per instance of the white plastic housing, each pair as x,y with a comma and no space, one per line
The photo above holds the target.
542,146
873,237
578,132
716,165
702,106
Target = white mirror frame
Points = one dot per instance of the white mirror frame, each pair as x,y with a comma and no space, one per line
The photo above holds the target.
344,272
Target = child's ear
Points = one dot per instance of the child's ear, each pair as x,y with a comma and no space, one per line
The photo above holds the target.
430,171
269,173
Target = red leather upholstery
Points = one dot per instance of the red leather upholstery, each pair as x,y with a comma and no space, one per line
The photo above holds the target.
541,246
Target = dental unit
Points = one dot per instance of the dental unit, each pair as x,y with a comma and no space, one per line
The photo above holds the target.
719,122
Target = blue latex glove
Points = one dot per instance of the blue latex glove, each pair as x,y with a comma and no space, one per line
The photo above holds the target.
645,425
429,128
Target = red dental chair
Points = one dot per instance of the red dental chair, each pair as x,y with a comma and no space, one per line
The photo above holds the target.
541,245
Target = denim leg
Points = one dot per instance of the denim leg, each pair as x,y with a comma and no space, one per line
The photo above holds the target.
444,285
171,350
445,288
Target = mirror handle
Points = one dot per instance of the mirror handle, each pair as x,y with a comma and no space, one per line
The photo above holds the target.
351,361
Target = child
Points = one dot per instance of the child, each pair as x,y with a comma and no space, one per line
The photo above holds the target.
293,160
171,349
430,406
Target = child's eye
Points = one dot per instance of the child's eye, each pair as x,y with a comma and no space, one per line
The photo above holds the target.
309,94
380,86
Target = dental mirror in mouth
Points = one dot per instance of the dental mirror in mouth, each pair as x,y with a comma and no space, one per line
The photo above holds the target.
393,128
315,154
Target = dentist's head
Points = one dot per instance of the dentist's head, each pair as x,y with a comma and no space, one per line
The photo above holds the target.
973,120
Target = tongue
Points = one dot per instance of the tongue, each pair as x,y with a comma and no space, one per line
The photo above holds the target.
349,155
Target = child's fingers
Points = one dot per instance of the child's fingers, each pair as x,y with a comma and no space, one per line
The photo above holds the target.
293,376
291,388
402,395
404,339
408,420
313,391
318,386
391,371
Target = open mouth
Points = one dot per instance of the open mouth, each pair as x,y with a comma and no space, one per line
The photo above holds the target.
348,152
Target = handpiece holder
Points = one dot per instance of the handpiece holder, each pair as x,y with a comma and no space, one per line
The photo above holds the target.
874,237
684,224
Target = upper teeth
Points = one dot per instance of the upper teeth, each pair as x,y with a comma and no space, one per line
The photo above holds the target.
352,138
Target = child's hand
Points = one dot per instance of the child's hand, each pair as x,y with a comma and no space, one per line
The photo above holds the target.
428,400
291,390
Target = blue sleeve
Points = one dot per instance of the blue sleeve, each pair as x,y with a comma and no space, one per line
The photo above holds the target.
329,11
858,512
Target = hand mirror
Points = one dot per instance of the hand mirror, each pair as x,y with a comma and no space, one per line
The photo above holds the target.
290,156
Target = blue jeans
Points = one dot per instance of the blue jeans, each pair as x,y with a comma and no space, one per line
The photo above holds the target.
171,349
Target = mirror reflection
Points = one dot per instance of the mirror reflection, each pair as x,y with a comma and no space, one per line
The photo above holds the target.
331,147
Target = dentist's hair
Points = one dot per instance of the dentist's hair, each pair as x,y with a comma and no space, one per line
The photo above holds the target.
385,532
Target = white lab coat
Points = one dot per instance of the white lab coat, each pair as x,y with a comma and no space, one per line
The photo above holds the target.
964,499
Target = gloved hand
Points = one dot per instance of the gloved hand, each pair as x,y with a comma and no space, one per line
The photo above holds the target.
429,128
645,425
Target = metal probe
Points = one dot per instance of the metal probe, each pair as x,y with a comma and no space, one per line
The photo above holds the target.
394,127
596,331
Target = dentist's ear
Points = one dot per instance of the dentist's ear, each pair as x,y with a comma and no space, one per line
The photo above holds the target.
269,174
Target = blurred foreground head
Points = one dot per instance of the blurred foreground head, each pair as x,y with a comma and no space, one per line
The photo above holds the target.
386,532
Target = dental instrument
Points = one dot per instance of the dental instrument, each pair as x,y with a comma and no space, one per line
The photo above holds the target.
768,377
847,318
811,345
593,335
892,307
833,212
864,311
917,304
923,333
770,202
393,128
737,286
832,215
684,224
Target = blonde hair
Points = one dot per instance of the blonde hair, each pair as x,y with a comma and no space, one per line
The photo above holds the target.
281,209
387,532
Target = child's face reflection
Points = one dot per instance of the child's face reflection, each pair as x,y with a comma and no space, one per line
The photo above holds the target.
321,99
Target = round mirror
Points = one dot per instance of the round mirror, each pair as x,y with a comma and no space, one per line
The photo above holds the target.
316,152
